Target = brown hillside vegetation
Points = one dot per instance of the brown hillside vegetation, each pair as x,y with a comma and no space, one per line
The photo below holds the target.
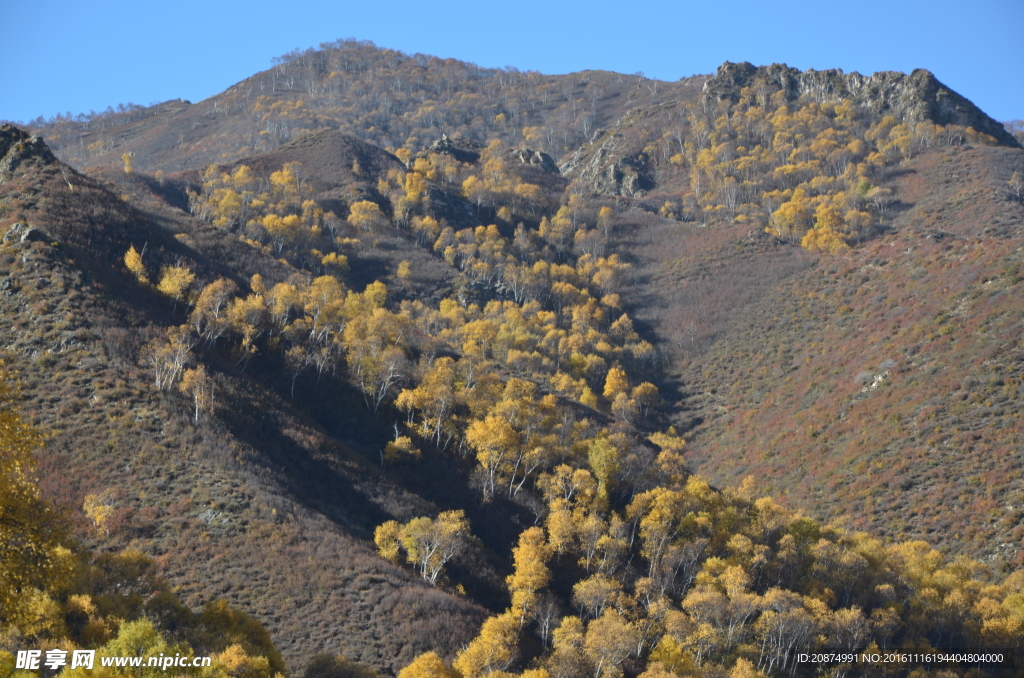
330,159
885,380
355,298
56,593
380,95
248,509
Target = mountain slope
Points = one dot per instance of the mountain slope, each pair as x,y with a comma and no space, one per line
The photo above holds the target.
813,276
881,387
380,95
915,97
637,155
248,508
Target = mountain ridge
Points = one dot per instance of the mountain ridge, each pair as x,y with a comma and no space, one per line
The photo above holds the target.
916,97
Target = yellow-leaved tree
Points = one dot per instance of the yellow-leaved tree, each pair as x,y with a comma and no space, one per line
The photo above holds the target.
427,665
793,217
610,640
531,572
400,449
30,531
615,383
133,262
366,216
495,441
197,384
175,281
494,649
428,544
604,457
826,236
1016,184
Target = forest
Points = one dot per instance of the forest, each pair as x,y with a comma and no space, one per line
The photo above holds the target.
389,321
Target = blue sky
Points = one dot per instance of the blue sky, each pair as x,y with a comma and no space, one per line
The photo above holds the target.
62,56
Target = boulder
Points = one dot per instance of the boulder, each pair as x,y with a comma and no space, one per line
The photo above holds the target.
538,158
461,150
23,233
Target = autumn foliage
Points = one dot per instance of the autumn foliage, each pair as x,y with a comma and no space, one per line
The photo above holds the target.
457,348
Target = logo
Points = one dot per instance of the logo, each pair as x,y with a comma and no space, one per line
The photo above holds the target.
30,660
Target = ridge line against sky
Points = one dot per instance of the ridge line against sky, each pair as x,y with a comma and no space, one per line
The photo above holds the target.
79,58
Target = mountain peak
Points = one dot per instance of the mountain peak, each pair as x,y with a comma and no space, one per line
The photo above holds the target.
917,97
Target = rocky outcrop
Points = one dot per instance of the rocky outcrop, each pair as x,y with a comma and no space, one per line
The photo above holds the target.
461,149
17,147
603,169
538,158
915,97
613,163
23,233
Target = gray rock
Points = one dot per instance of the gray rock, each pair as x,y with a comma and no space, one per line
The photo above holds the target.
608,165
463,150
538,158
23,233
916,97
17,146
605,170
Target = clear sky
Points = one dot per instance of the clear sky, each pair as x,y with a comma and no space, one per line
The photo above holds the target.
63,56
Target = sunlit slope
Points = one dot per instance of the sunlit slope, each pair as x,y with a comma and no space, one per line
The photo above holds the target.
880,387
258,505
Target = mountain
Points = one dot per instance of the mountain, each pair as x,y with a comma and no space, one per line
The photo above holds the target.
492,321
618,160
878,388
249,509
383,96
916,97
773,358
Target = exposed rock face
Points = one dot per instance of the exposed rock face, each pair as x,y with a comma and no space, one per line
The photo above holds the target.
460,150
539,158
23,233
607,171
18,146
915,97
611,164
